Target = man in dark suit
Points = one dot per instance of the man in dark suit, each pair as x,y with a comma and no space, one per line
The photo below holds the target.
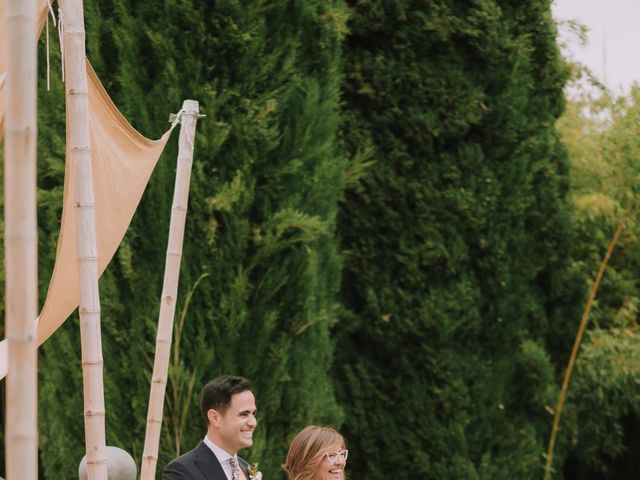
229,408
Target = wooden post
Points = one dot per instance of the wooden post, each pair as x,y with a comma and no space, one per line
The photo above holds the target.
79,148
169,289
21,241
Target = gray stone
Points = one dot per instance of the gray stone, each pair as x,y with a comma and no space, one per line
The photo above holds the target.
120,465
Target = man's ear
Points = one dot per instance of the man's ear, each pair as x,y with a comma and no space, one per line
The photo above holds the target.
214,417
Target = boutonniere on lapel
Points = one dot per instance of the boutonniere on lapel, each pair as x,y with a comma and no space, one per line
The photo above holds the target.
254,474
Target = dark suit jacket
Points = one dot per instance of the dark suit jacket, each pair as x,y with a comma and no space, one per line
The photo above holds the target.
198,464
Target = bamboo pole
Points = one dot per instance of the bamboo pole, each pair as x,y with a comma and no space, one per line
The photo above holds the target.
169,289
21,240
79,148
548,468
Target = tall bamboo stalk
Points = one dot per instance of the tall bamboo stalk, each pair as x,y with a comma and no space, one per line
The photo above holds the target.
548,468
80,155
21,241
169,289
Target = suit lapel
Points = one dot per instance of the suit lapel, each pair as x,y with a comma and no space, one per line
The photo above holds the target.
208,463
244,467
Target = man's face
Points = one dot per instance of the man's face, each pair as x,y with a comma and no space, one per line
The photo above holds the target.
233,429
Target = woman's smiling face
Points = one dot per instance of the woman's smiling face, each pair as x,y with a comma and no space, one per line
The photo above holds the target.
332,465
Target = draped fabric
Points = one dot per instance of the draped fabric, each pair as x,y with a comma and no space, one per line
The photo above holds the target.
122,161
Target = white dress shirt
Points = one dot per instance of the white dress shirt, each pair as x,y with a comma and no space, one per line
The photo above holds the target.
223,457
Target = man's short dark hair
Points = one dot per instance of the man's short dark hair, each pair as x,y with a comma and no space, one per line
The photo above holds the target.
217,393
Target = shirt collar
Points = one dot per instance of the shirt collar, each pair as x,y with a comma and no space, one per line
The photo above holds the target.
221,454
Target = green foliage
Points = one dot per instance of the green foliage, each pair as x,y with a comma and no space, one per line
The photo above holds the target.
606,392
458,278
600,132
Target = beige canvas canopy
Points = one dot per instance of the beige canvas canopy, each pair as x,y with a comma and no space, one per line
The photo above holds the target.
122,161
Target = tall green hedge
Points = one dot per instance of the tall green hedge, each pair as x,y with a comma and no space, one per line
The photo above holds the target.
261,269
458,284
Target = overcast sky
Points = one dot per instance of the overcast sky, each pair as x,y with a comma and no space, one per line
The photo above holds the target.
613,48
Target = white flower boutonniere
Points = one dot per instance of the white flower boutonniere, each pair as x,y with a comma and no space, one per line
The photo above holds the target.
254,474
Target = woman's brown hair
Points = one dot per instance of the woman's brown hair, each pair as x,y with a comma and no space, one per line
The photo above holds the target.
308,449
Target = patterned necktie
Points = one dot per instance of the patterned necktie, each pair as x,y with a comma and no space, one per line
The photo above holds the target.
235,469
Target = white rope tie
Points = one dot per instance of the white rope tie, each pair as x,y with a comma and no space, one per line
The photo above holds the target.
51,12
48,65
61,37
176,117
53,17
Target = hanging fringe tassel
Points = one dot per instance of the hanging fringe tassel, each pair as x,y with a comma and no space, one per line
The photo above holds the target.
55,24
53,17
61,38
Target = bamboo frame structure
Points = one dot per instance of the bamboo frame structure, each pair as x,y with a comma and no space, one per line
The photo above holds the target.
190,114
21,240
79,148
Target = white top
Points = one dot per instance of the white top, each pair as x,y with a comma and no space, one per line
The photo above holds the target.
223,457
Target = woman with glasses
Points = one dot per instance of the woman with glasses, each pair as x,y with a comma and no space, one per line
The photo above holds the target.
317,453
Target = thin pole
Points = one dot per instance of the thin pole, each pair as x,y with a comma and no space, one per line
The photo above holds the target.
169,289
21,240
548,468
79,148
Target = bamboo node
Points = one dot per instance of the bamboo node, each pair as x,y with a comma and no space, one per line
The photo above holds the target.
90,363
168,299
21,234
85,206
18,16
16,338
73,33
78,92
89,311
21,436
19,130
94,413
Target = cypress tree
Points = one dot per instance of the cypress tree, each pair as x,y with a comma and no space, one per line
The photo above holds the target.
457,279
260,270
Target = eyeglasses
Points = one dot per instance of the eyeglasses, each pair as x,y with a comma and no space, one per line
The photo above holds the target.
333,457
